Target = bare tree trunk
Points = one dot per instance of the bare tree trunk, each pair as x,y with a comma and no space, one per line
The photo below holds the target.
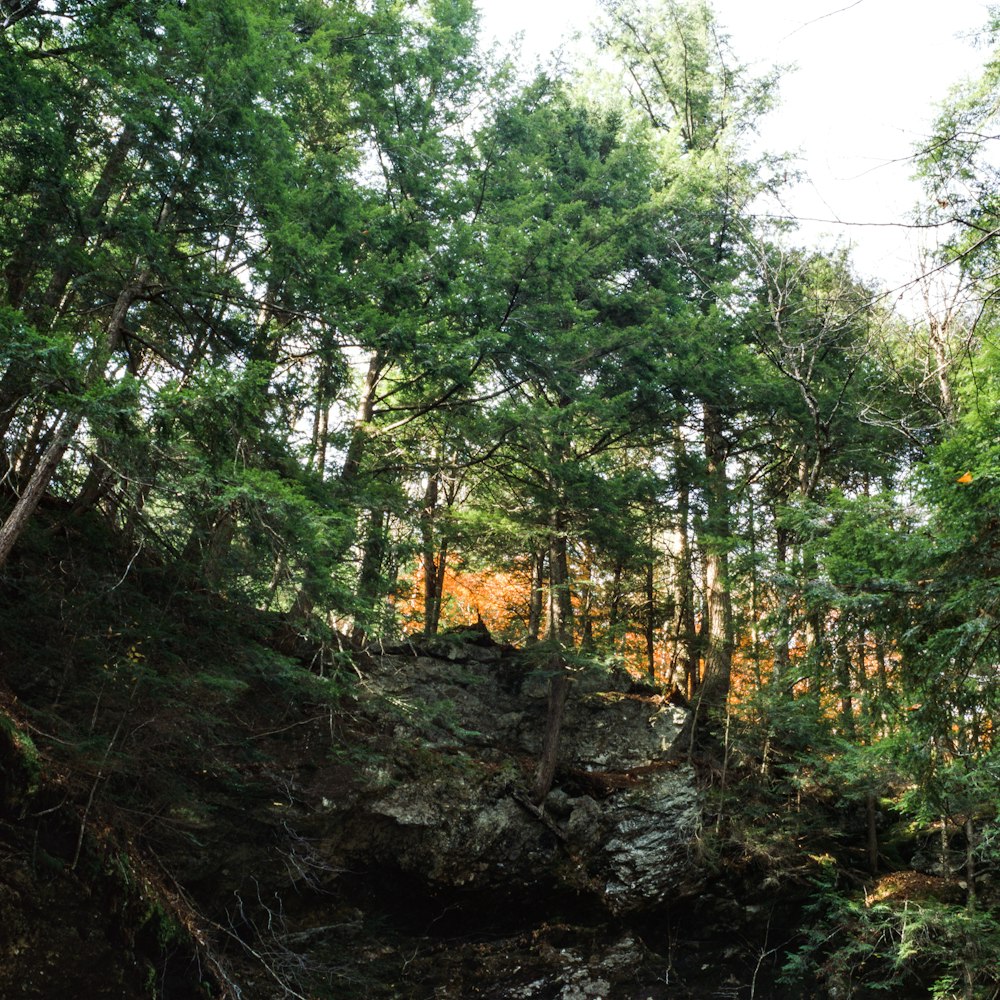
99,482
373,550
969,947
721,641
432,597
320,436
43,472
362,420
49,212
18,518
561,637
61,276
882,675
689,648
614,610
650,623
370,575
844,678
14,384
549,757
815,641
587,608
782,655
535,600
304,601
26,457
970,861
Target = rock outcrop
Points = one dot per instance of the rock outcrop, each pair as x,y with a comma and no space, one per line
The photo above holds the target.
384,846
443,797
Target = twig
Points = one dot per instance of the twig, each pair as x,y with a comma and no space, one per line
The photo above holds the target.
93,791
271,732
128,567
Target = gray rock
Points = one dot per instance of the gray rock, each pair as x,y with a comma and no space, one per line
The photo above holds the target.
586,822
444,805
648,857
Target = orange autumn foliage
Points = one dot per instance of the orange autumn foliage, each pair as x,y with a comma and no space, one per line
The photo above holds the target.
497,598
500,599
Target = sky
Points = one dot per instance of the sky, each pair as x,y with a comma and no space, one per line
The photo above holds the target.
864,78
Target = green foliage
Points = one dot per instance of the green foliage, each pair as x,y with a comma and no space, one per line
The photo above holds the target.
853,946
321,292
22,759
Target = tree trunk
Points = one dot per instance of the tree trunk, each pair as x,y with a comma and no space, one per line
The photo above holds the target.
587,607
38,434
970,861
535,600
688,653
614,610
561,637
815,641
11,529
782,655
938,335
432,596
50,211
844,678
53,298
14,386
719,652
369,589
650,623
98,484
43,472
362,421
549,757
871,815
304,602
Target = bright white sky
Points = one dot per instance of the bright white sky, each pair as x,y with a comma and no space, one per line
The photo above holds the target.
866,79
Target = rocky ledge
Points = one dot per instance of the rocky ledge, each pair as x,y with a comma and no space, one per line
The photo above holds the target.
445,799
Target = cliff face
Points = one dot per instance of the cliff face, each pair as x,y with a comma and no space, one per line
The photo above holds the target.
446,799
491,895
380,845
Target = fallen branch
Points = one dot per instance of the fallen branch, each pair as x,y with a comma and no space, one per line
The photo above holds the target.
539,814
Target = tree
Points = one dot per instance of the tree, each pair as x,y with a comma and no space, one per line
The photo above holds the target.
566,212
681,76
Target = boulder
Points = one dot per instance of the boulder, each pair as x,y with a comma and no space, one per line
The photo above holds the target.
444,799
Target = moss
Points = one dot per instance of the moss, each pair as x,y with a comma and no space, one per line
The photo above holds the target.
22,761
163,927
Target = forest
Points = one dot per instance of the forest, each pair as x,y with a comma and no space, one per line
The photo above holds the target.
326,332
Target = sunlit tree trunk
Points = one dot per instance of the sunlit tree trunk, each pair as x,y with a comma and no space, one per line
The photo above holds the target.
363,420
715,683
19,517
536,600
688,652
67,426
650,618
